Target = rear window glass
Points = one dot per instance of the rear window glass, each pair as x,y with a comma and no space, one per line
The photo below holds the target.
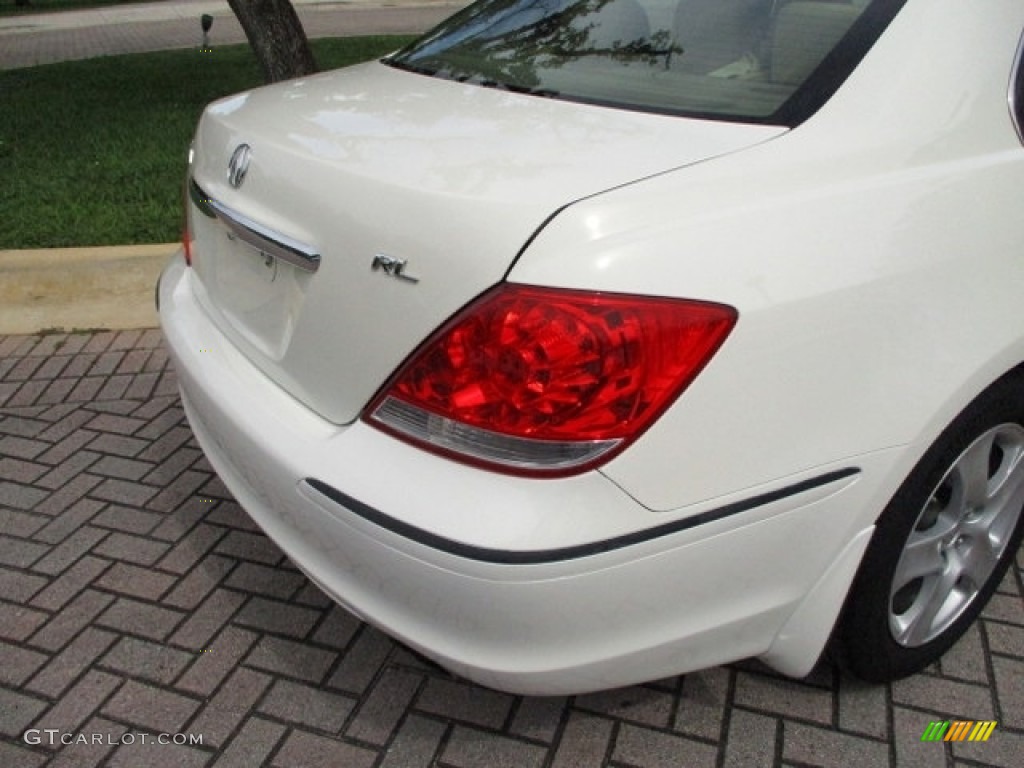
746,60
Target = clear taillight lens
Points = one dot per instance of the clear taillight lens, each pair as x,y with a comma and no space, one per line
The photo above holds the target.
549,381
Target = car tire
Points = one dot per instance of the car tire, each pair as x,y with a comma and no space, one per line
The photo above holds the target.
943,543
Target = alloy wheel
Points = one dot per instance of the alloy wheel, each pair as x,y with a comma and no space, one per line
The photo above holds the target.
959,537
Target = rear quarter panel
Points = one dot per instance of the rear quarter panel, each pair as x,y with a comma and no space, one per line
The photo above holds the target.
873,254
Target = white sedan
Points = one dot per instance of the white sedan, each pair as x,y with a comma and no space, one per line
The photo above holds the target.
584,342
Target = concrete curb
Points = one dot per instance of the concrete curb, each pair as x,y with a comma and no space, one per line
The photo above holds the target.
109,287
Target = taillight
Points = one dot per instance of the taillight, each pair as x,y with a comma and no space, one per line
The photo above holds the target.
545,381
186,216
186,242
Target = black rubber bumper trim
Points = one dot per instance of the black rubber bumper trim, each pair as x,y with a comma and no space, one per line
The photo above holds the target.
536,557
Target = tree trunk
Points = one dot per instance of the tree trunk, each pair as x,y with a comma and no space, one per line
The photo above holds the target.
276,36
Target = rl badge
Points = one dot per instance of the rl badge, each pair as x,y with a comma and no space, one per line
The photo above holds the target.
392,267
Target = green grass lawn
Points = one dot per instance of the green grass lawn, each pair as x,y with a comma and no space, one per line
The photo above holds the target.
93,152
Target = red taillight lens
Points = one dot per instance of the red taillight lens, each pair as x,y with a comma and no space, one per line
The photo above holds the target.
540,380
186,242
186,223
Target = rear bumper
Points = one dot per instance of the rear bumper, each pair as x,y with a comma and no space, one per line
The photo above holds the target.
532,586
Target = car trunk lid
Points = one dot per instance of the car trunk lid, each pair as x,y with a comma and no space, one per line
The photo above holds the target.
414,195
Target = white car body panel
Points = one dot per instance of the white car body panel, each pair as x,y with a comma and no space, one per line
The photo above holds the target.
824,284
734,525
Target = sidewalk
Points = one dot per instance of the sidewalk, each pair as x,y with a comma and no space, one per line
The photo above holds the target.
112,287
28,40
79,288
167,10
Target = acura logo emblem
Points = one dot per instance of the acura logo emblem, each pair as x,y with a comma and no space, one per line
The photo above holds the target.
238,165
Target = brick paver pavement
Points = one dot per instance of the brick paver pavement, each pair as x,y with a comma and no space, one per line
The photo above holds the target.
136,598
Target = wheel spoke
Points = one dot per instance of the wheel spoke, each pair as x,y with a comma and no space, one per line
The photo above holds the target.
999,518
1011,473
989,528
922,557
915,626
972,473
1007,497
978,560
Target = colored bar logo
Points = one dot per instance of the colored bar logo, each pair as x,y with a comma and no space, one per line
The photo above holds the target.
959,730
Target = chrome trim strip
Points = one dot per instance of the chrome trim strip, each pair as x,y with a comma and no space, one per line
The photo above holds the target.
262,238
1017,90
537,557
200,199
548,457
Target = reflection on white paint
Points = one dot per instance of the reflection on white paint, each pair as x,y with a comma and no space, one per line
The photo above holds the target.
229,105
